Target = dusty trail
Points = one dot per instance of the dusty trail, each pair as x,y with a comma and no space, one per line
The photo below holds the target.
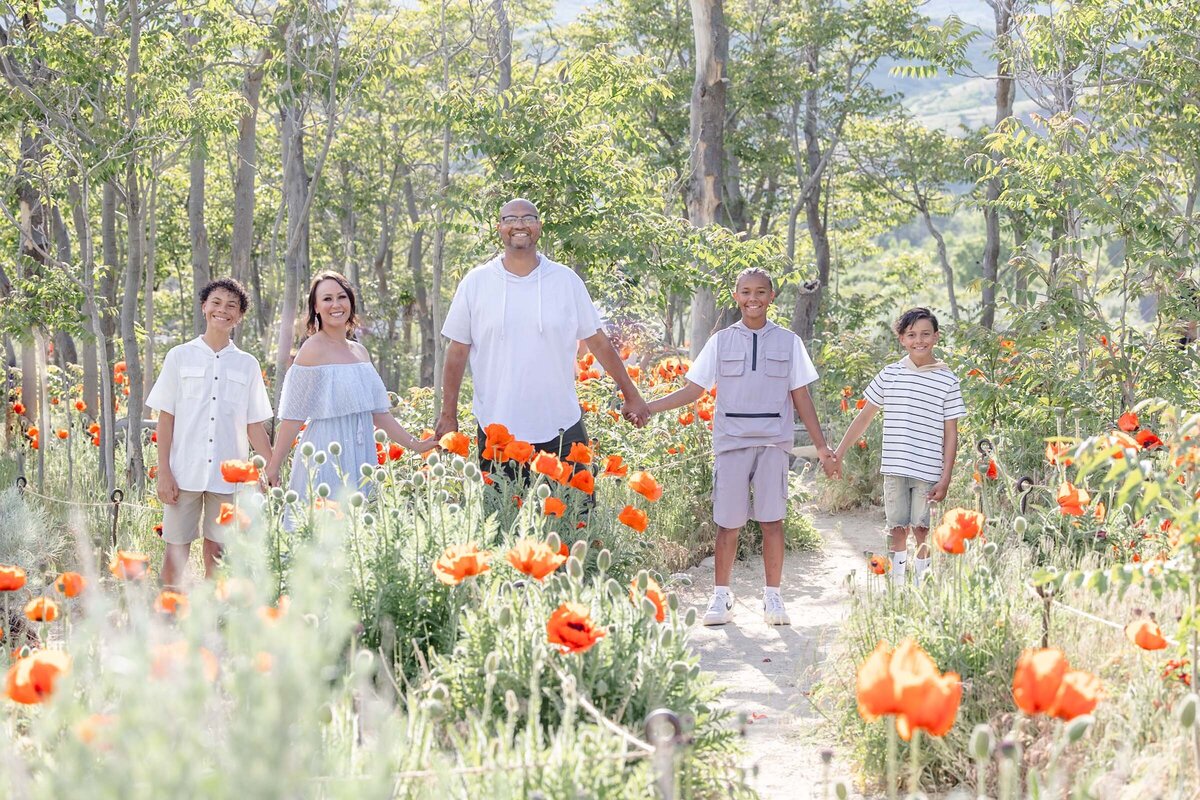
766,671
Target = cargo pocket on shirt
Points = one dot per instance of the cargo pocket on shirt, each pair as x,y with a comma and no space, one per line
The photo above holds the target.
233,399
732,366
191,379
750,424
778,363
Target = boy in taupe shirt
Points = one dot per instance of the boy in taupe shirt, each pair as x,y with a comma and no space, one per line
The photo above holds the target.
761,372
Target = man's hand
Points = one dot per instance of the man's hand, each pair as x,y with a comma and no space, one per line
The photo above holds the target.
937,492
446,423
272,475
168,489
636,411
830,463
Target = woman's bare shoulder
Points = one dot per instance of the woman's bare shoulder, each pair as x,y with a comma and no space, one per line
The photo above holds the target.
312,353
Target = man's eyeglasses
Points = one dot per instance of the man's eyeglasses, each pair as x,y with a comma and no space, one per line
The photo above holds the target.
527,219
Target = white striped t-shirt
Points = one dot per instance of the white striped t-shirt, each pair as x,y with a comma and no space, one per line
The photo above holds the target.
915,406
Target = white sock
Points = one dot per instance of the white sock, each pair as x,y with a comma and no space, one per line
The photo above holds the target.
899,563
768,590
920,565
722,590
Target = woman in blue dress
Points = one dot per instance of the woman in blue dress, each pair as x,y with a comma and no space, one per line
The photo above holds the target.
333,386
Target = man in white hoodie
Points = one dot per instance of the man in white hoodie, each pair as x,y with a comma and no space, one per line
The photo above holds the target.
517,320
921,404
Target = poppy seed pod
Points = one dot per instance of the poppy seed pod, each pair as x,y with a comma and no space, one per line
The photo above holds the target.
276,492
458,462
471,472
290,496
442,496
439,693
504,617
553,542
643,580
434,709
1009,749
679,667
320,457
307,449
357,500
613,588
673,601
323,490
1078,727
689,617
1185,712
1020,525
840,790
604,560
433,460
368,519
381,436
366,470
574,568
666,635
259,462
511,704
649,609
438,471
379,473
543,491
491,663
991,548
453,508
364,663
579,550
982,742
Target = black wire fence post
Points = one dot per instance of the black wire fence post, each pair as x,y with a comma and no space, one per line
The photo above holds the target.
21,484
985,449
665,732
117,497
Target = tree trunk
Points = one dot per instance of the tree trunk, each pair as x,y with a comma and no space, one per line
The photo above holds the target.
707,126
296,257
808,301
197,230
990,266
242,241
135,213
148,291
503,47
943,259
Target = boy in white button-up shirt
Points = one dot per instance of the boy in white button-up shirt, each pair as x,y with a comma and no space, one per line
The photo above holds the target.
212,404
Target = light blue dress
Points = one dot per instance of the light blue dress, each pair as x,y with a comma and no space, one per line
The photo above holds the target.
337,402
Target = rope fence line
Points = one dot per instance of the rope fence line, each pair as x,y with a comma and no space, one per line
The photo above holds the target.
1050,600
524,766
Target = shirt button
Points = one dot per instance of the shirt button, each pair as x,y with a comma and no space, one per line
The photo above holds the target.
215,378
214,398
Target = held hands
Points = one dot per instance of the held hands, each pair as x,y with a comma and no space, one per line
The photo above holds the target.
272,474
831,462
636,412
425,445
938,491
446,423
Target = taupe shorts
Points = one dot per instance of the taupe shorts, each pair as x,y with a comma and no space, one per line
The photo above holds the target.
192,513
761,471
904,501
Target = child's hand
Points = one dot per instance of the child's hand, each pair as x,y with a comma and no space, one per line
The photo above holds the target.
937,492
424,445
830,462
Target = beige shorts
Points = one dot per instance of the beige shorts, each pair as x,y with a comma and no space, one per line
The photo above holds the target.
739,474
192,513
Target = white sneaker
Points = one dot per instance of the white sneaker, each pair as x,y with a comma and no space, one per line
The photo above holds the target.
720,609
773,611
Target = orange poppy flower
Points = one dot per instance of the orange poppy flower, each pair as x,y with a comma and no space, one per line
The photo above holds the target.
861,444
634,372
229,512
517,451
33,432
235,471
34,444
94,428
1128,422
1078,694
273,613
580,454
704,410
860,403
635,518
129,565
395,452
1072,499
1099,512
656,595
547,464
845,405
615,466
119,368
1037,678
169,602
571,629
1145,634
553,507
1058,454
80,406
497,435
1148,439
847,391
879,565
584,481
958,525
993,471
12,578
31,680
1007,344
644,484
687,418
18,408
41,609
535,559
936,709
460,562
456,442
874,687
70,584
62,433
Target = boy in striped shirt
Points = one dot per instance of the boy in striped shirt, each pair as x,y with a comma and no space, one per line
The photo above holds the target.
922,404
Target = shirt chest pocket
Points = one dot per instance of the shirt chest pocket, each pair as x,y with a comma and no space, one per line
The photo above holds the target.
236,390
778,363
731,366
191,379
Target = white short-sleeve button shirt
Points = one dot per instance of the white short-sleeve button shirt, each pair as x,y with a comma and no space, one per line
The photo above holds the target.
213,397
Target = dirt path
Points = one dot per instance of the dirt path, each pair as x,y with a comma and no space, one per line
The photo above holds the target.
766,671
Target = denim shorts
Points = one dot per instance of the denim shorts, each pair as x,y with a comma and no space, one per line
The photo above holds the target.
904,501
